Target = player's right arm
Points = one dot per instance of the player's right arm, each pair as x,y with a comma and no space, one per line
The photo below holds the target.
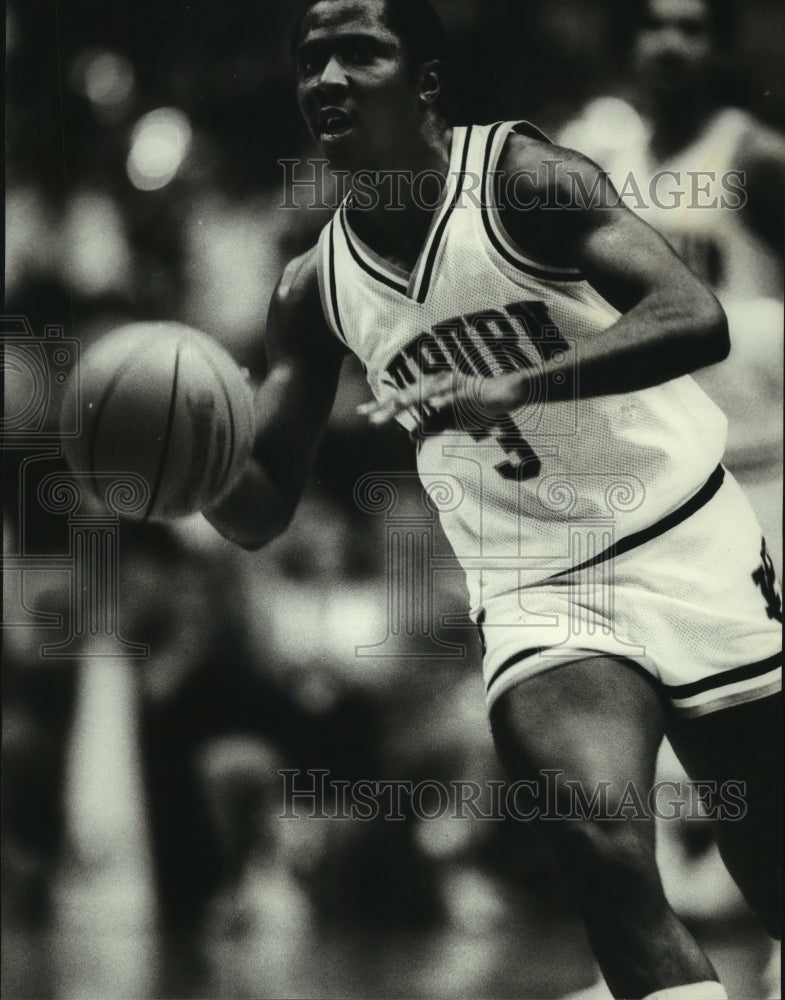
292,406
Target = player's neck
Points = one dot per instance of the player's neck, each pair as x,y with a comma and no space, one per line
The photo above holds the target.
401,204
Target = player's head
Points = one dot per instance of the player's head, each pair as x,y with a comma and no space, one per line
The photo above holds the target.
677,44
369,74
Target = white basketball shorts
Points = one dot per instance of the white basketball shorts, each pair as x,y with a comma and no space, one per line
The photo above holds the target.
693,600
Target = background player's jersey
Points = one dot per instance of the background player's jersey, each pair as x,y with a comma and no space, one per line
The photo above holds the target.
695,197
527,496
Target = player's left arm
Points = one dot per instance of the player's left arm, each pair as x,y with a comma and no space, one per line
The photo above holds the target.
671,323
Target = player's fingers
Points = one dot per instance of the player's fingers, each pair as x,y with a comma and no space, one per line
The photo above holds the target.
443,399
380,412
384,414
367,408
446,382
436,390
380,417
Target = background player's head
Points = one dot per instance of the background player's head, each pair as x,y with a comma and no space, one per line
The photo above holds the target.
678,45
369,77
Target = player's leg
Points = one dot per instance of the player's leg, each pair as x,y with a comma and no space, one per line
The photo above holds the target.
599,721
743,744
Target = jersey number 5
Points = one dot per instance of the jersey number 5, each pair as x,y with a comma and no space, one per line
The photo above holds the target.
551,346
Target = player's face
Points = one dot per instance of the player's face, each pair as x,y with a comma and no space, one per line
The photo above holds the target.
673,49
354,87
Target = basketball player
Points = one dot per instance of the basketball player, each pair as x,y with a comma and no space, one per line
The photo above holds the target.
540,358
711,179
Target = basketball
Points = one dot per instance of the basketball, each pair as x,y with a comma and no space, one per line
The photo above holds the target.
166,419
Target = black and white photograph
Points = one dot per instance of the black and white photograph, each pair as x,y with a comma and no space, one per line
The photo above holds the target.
392,452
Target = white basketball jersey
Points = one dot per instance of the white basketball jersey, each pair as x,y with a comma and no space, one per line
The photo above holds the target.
527,496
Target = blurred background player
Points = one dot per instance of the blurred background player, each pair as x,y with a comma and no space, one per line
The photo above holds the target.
711,178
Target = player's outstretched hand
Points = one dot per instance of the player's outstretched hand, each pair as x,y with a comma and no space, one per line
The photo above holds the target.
470,396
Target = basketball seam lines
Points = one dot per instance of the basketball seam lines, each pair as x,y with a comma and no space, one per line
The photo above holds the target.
230,408
167,436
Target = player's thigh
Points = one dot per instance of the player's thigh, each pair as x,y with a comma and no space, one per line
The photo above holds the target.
595,720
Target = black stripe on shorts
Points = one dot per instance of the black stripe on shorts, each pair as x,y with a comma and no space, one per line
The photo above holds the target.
679,691
516,658
692,506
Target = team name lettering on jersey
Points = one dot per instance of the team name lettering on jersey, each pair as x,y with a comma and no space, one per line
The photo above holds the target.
515,337
456,344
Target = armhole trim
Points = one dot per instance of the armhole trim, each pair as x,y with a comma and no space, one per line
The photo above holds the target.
328,282
500,239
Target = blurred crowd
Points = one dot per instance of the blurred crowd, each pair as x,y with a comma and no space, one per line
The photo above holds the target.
143,853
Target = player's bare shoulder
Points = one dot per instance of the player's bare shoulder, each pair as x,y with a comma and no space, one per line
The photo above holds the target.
298,277
548,194
554,173
297,322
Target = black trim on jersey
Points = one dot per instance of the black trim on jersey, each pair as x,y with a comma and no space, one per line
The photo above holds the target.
378,275
500,248
516,658
747,673
402,285
481,619
334,285
692,506
425,284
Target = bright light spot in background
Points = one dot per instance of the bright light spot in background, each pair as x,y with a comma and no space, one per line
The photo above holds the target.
606,124
97,259
234,262
108,79
160,142
32,244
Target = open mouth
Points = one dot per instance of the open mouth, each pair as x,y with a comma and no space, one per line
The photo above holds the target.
333,123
